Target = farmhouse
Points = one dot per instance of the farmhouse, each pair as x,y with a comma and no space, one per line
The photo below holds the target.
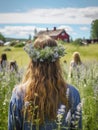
57,34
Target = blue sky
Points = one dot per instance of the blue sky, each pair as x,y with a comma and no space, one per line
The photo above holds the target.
19,18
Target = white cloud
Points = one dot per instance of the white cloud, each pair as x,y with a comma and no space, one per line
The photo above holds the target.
67,28
18,30
84,28
60,16
24,31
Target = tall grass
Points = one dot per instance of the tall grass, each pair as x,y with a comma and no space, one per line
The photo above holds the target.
87,84
7,82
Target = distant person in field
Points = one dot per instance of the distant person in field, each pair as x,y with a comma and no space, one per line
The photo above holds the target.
75,64
13,66
43,100
3,62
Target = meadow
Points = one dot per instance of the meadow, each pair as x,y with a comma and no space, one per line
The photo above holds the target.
87,84
88,53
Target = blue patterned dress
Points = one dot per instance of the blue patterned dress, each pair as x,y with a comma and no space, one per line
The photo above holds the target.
66,120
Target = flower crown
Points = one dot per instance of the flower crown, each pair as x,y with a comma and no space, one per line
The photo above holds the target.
49,54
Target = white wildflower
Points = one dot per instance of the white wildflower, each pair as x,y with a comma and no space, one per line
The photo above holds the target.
68,117
79,107
27,104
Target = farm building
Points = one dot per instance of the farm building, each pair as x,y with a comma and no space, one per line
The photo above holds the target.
89,41
57,34
1,43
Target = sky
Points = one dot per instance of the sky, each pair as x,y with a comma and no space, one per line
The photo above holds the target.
19,18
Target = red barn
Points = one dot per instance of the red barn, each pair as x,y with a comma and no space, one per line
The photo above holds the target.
57,34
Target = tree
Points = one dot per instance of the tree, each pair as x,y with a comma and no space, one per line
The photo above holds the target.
94,29
30,36
2,37
77,41
35,31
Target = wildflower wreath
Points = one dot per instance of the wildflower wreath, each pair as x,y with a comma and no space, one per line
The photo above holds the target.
49,54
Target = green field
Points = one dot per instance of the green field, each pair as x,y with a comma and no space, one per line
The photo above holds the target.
17,54
87,53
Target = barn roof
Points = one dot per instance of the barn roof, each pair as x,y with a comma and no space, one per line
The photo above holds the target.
52,33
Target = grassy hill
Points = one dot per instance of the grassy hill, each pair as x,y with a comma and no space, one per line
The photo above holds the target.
13,39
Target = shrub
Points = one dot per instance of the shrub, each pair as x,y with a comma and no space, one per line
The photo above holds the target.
7,49
13,43
19,45
78,41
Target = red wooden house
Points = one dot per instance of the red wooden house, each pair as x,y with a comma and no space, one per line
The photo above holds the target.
57,34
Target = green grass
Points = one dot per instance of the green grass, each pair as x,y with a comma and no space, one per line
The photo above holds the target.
17,54
87,53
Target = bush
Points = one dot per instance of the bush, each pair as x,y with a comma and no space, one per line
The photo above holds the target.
2,37
78,41
13,43
7,49
19,45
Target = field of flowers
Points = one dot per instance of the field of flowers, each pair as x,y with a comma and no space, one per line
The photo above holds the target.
86,83
7,82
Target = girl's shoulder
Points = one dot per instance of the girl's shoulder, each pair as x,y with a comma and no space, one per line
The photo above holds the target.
72,88
73,63
18,91
73,95
73,92
17,97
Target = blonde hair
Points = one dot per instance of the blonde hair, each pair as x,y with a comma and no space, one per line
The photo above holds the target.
46,87
76,58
